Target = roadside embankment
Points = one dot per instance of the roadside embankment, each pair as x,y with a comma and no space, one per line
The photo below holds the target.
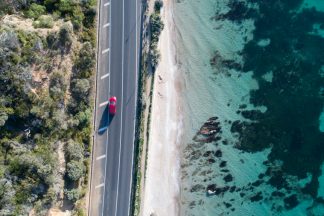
161,188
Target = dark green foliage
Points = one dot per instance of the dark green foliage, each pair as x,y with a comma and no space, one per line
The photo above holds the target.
35,11
44,21
74,170
65,35
72,195
81,89
156,26
57,86
85,62
74,151
35,118
158,4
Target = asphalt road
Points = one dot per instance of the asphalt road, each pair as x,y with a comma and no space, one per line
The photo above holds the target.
117,75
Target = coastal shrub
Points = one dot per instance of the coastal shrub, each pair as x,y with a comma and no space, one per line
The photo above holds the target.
81,88
35,11
89,17
158,4
77,17
154,56
44,21
34,100
65,35
156,25
86,61
83,118
74,151
74,170
72,195
4,114
57,86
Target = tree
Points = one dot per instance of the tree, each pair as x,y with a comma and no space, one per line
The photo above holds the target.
65,34
156,26
81,88
57,86
72,195
35,11
75,170
85,62
158,4
44,21
74,151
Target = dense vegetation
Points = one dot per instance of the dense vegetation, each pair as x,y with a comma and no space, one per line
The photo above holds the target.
45,105
156,27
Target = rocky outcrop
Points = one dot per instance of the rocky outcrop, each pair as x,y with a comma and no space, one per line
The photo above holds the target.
209,131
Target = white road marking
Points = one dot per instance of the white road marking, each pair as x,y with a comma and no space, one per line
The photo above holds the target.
106,4
105,76
121,105
101,157
106,25
102,129
103,104
99,186
105,51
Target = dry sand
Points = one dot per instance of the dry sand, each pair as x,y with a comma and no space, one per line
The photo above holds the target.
161,190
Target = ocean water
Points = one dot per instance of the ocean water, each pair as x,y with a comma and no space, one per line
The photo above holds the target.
253,76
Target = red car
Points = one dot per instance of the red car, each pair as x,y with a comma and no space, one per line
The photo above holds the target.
112,105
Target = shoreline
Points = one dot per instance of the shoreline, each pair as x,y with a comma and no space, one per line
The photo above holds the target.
162,182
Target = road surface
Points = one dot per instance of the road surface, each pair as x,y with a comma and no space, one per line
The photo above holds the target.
117,75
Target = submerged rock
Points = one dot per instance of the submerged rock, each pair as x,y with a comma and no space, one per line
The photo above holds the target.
214,190
208,131
197,187
291,201
222,164
256,197
228,178
218,153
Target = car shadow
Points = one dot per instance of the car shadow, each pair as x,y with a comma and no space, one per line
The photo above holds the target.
105,121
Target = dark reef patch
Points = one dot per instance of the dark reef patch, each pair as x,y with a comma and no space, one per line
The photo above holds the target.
257,197
289,127
295,58
291,201
209,131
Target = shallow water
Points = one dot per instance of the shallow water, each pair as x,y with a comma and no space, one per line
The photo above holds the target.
258,67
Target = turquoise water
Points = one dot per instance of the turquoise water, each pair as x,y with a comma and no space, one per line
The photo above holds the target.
258,67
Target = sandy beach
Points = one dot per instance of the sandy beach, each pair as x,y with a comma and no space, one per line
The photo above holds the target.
161,189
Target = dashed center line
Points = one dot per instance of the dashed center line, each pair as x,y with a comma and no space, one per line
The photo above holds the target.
103,104
104,51
106,4
102,129
106,25
99,186
101,157
105,76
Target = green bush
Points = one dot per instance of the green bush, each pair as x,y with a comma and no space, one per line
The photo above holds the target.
86,61
65,35
81,88
72,195
44,21
74,151
57,86
74,170
156,26
35,11
158,4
